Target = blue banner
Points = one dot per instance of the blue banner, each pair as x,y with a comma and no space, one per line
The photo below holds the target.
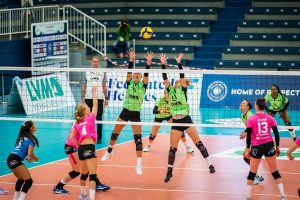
221,91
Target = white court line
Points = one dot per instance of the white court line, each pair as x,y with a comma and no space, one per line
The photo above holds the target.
164,190
182,168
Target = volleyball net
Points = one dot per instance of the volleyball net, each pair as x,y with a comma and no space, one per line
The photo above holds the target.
213,96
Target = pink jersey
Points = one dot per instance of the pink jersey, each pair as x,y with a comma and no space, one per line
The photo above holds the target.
298,141
86,128
76,137
261,124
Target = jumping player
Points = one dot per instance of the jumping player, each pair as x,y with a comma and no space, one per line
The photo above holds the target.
180,114
135,92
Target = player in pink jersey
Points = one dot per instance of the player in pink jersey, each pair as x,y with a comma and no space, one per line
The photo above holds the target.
289,152
261,141
86,133
71,150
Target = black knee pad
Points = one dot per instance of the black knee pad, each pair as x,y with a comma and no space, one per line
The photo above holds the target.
202,149
27,185
172,152
84,176
251,176
138,142
289,124
247,160
73,174
183,135
276,175
93,177
19,184
152,137
114,136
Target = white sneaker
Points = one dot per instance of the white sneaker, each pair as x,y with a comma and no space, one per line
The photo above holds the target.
258,180
139,170
189,149
106,156
147,148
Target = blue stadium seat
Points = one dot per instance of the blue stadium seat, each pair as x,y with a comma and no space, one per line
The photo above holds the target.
265,36
263,50
151,10
158,49
163,36
153,23
269,23
275,10
258,64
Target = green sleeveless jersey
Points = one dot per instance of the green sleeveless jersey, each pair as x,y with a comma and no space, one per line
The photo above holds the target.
163,104
178,101
276,104
246,116
134,95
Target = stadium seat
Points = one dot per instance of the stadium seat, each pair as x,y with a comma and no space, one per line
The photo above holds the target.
265,36
149,10
276,10
270,23
263,50
258,64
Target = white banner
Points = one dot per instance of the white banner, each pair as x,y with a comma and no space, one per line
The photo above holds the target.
44,93
117,89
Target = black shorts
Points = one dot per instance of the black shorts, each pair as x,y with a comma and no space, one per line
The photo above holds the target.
86,151
266,149
160,120
69,149
14,161
127,115
185,120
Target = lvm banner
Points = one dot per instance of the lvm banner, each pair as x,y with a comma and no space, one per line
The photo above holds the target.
40,94
227,91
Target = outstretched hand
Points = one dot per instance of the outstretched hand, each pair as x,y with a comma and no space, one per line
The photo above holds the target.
179,58
149,57
131,54
163,59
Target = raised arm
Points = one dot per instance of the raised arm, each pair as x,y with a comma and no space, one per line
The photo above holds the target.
130,64
95,100
105,91
182,79
149,58
163,60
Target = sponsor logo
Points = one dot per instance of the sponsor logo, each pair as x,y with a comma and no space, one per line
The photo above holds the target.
217,91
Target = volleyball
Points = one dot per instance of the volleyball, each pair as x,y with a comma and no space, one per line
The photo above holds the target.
146,32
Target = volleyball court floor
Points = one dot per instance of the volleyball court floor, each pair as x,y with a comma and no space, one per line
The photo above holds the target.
191,180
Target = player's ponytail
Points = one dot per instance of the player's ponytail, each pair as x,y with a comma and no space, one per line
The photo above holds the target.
25,132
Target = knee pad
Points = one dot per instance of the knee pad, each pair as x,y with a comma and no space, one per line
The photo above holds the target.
172,152
138,142
84,176
276,175
202,149
27,185
114,136
73,174
93,177
251,176
152,137
19,184
247,160
183,135
289,124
